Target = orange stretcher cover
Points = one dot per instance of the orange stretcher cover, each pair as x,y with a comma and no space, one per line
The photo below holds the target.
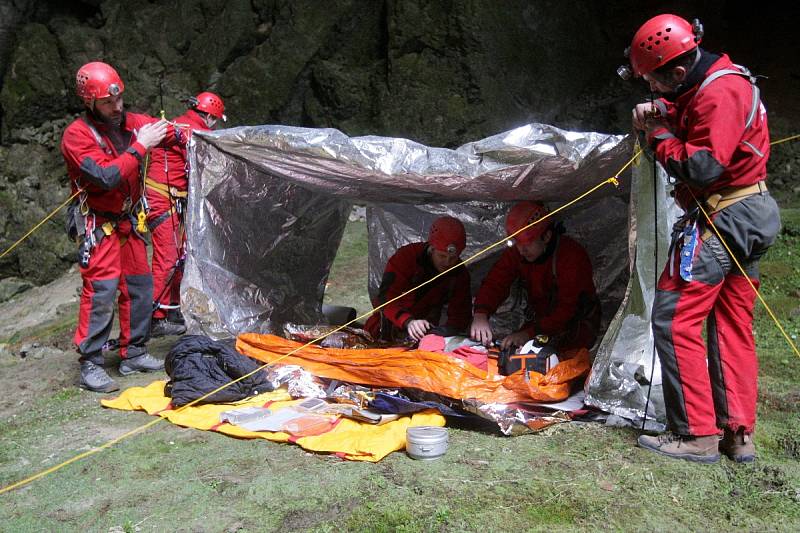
345,438
428,371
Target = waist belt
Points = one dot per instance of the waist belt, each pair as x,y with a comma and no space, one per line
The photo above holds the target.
164,190
730,195
111,217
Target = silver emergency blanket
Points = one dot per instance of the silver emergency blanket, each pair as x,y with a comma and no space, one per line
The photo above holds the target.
268,206
513,420
626,376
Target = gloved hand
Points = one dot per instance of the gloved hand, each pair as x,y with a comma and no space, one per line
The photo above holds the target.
642,113
151,134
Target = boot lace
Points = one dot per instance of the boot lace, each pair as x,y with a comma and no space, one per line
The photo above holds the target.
668,438
96,372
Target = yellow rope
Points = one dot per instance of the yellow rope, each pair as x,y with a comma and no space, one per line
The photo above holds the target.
741,269
45,219
78,457
785,139
612,180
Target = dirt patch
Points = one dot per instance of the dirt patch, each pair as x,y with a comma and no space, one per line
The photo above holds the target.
305,519
789,402
770,478
40,305
24,380
789,444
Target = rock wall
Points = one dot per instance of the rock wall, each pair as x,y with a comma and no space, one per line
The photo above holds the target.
441,72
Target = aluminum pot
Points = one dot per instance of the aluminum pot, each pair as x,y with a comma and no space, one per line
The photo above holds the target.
426,442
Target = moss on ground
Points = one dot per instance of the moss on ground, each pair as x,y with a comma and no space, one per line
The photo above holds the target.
571,476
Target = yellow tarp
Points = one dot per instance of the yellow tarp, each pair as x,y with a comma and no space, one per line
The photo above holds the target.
346,438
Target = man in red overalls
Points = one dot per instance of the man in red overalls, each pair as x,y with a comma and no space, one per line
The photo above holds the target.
709,132
557,276
415,314
167,184
103,151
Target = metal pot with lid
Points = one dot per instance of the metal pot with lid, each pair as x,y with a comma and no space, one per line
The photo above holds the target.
426,442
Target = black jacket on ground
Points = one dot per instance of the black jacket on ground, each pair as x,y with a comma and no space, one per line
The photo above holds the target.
198,365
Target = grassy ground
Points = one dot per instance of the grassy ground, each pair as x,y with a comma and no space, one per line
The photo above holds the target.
347,283
572,476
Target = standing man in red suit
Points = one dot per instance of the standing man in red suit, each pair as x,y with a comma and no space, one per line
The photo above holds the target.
415,314
709,132
167,186
104,150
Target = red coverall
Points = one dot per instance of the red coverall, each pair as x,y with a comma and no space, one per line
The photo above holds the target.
168,168
106,162
561,296
407,268
709,148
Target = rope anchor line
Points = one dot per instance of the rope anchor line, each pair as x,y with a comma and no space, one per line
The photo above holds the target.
613,180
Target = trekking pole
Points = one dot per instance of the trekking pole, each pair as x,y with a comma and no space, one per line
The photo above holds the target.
655,283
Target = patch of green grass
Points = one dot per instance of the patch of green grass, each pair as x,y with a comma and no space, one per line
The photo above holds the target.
551,514
65,395
570,476
347,283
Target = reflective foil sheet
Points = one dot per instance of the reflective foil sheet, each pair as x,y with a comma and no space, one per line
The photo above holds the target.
514,421
626,368
299,382
268,206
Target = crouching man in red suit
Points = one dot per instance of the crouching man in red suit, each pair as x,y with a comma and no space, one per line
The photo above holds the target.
416,313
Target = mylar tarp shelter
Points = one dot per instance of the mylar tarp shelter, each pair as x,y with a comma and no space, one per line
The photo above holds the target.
268,206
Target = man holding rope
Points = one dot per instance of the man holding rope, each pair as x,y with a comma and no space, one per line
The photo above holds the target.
103,150
709,132
166,189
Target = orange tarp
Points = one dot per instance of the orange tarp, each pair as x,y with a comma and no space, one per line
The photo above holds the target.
429,371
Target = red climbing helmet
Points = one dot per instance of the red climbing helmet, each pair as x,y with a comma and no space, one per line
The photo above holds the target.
523,214
97,80
448,235
660,40
209,103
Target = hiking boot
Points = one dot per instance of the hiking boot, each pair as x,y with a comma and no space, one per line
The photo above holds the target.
140,363
738,446
161,327
697,449
176,317
95,378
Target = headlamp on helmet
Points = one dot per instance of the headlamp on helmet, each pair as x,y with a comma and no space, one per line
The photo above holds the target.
448,235
97,80
657,42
